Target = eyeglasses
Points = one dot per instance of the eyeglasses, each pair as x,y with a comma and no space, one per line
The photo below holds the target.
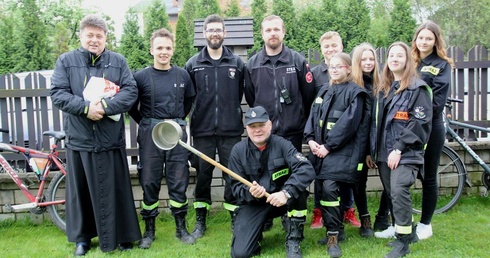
338,67
212,31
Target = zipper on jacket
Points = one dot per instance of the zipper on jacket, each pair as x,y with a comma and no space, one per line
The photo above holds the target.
216,98
206,81
277,106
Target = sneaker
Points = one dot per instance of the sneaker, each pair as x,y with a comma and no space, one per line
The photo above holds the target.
316,220
387,233
424,231
350,217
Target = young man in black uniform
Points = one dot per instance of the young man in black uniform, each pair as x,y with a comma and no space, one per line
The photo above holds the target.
274,166
165,92
216,121
279,79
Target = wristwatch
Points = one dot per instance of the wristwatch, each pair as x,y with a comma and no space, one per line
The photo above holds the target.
286,193
397,151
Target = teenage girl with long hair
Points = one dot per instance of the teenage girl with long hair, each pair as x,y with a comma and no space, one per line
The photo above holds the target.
434,67
365,73
400,131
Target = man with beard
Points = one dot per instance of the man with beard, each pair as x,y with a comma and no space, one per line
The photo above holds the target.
216,122
165,93
279,79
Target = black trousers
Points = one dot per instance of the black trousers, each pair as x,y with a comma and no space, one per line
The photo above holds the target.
250,219
360,195
330,203
208,146
431,164
153,163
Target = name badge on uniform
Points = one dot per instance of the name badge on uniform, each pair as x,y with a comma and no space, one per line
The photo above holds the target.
430,69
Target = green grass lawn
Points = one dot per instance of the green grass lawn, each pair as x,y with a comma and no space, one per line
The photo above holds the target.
464,231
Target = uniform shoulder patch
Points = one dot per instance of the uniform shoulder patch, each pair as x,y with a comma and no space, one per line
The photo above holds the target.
309,77
300,156
420,112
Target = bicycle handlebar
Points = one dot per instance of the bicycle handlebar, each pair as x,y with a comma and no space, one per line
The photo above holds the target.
449,100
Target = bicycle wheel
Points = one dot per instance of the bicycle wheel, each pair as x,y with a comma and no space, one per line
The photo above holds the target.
451,177
56,192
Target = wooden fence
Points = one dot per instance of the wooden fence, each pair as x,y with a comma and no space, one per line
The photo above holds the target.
26,109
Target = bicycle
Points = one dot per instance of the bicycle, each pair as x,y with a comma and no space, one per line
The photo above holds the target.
41,163
452,176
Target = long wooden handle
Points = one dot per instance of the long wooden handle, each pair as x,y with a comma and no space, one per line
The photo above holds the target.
218,165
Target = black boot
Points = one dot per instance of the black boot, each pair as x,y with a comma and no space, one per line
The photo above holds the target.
333,247
181,229
294,237
382,222
149,235
366,230
200,226
400,246
413,236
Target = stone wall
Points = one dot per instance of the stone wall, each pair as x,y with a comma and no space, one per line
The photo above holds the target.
10,193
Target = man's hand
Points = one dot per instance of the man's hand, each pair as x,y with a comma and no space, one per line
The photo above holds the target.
257,190
277,199
95,111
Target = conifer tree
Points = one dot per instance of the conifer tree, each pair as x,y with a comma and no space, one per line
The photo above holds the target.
133,45
7,48
207,7
183,50
258,13
233,9
155,17
34,48
356,18
402,25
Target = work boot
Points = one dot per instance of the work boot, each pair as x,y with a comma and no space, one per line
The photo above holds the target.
340,237
149,235
181,229
333,247
200,226
316,220
294,237
381,222
350,217
233,217
285,221
400,246
365,230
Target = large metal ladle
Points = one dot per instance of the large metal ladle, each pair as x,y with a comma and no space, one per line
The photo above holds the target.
167,134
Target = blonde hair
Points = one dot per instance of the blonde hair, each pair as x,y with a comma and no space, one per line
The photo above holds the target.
329,35
357,72
346,60
387,78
